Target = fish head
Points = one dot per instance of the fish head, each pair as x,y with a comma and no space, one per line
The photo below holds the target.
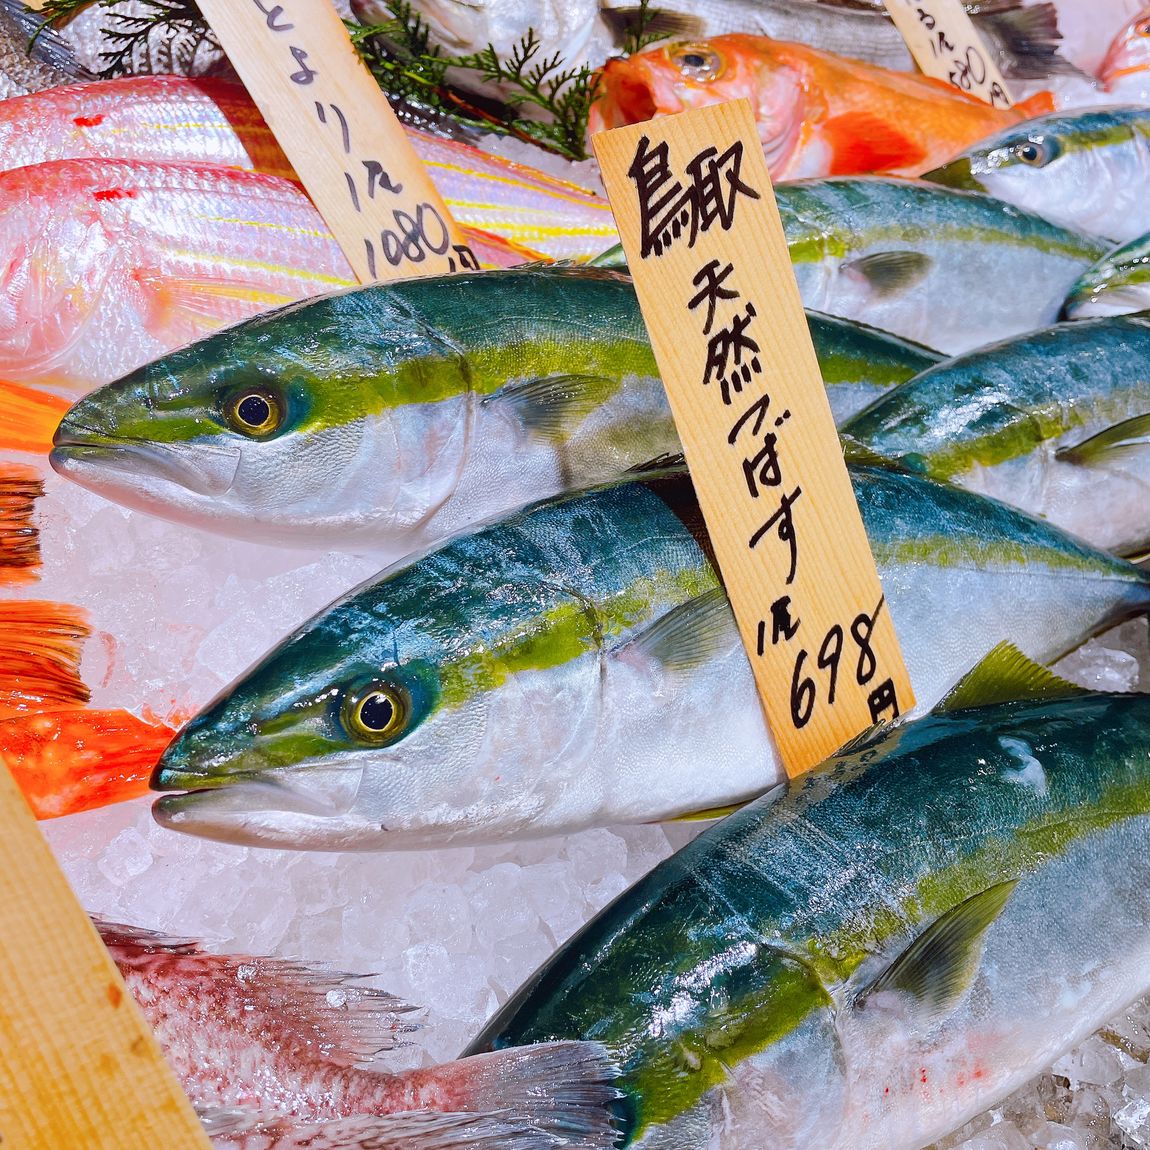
1009,164
427,708
1129,54
341,418
691,74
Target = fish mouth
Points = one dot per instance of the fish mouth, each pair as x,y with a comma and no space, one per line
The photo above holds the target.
202,468
626,97
957,174
323,792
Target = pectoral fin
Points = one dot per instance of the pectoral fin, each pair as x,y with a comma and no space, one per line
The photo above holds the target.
688,635
1119,444
553,406
890,274
938,968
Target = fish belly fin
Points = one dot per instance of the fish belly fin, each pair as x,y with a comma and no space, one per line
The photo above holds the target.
553,406
1006,675
1122,443
686,636
655,23
40,646
50,47
862,143
564,1089
323,1010
415,1130
891,274
1026,39
1040,104
77,760
937,969
20,487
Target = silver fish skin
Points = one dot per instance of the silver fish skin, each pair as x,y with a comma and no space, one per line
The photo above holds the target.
951,269
1054,423
572,665
1119,284
1087,170
50,63
271,1053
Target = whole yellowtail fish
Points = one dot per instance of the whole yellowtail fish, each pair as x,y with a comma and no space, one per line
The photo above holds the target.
170,118
268,1050
108,264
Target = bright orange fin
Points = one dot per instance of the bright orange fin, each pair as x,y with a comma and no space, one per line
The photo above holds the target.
28,418
1040,104
70,761
862,143
20,487
40,656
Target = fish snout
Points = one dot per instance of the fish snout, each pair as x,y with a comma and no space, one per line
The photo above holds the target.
199,758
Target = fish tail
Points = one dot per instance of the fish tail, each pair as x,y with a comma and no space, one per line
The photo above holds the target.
562,1088
40,646
1026,40
28,418
20,487
77,760
418,1130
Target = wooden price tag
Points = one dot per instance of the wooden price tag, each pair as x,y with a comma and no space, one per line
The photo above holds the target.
341,136
79,1068
945,44
697,214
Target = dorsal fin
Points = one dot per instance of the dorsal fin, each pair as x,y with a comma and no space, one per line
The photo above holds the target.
1006,675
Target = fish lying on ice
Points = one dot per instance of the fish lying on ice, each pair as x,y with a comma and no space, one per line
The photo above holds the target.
1119,284
1055,423
573,664
268,1050
392,415
109,264
888,948
1085,170
169,118
818,114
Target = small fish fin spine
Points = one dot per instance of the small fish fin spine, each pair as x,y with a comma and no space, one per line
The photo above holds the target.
50,47
20,487
77,760
562,1088
622,22
417,1130
1040,104
326,1012
40,646
28,418
863,143
1006,675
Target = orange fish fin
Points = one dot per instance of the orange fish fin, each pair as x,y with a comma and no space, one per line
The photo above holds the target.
1040,104
28,418
862,143
20,487
40,656
76,760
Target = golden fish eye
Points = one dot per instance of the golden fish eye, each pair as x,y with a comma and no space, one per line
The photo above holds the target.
698,63
1032,153
255,412
376,714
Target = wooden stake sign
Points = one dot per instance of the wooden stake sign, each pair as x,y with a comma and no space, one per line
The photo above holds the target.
945,44
341,136
695,208
79,1068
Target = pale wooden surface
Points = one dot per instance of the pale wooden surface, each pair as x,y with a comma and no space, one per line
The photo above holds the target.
963,59
835,576
79,1068
356,143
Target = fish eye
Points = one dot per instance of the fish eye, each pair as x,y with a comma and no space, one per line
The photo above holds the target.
255,411
698,63
1142,28
1032,152
376,714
